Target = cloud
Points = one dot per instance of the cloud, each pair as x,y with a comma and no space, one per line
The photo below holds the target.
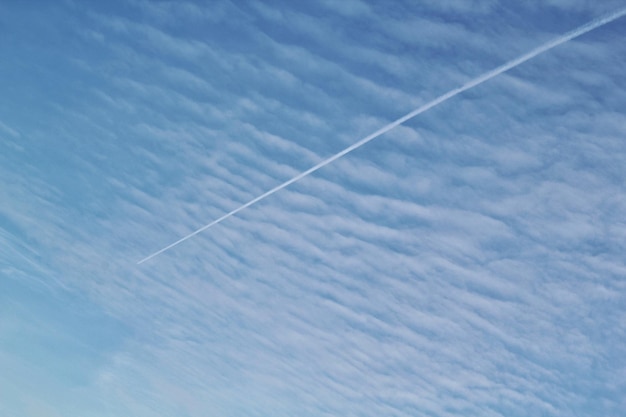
8,131
469,262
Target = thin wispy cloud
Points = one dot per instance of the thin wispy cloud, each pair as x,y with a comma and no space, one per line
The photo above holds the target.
441,99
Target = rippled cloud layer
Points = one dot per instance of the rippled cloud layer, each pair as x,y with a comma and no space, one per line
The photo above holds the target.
468,262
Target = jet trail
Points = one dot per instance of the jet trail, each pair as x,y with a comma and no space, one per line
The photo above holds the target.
594,24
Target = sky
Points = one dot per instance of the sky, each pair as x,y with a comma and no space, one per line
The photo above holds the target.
469,262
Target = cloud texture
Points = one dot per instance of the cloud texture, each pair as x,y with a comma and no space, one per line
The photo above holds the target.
469,262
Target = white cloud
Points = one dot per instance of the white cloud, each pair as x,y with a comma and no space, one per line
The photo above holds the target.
470,262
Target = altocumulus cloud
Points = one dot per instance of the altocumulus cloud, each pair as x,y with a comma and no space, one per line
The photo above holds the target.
467,263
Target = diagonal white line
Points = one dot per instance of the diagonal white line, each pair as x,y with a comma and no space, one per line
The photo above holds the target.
444,97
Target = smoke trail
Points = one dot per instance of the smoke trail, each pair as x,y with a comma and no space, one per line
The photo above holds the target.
450,94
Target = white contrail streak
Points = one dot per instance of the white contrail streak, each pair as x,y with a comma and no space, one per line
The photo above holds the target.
445,97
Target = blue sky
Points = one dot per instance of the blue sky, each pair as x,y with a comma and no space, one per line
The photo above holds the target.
469,262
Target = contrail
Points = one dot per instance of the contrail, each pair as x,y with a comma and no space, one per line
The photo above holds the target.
445,97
